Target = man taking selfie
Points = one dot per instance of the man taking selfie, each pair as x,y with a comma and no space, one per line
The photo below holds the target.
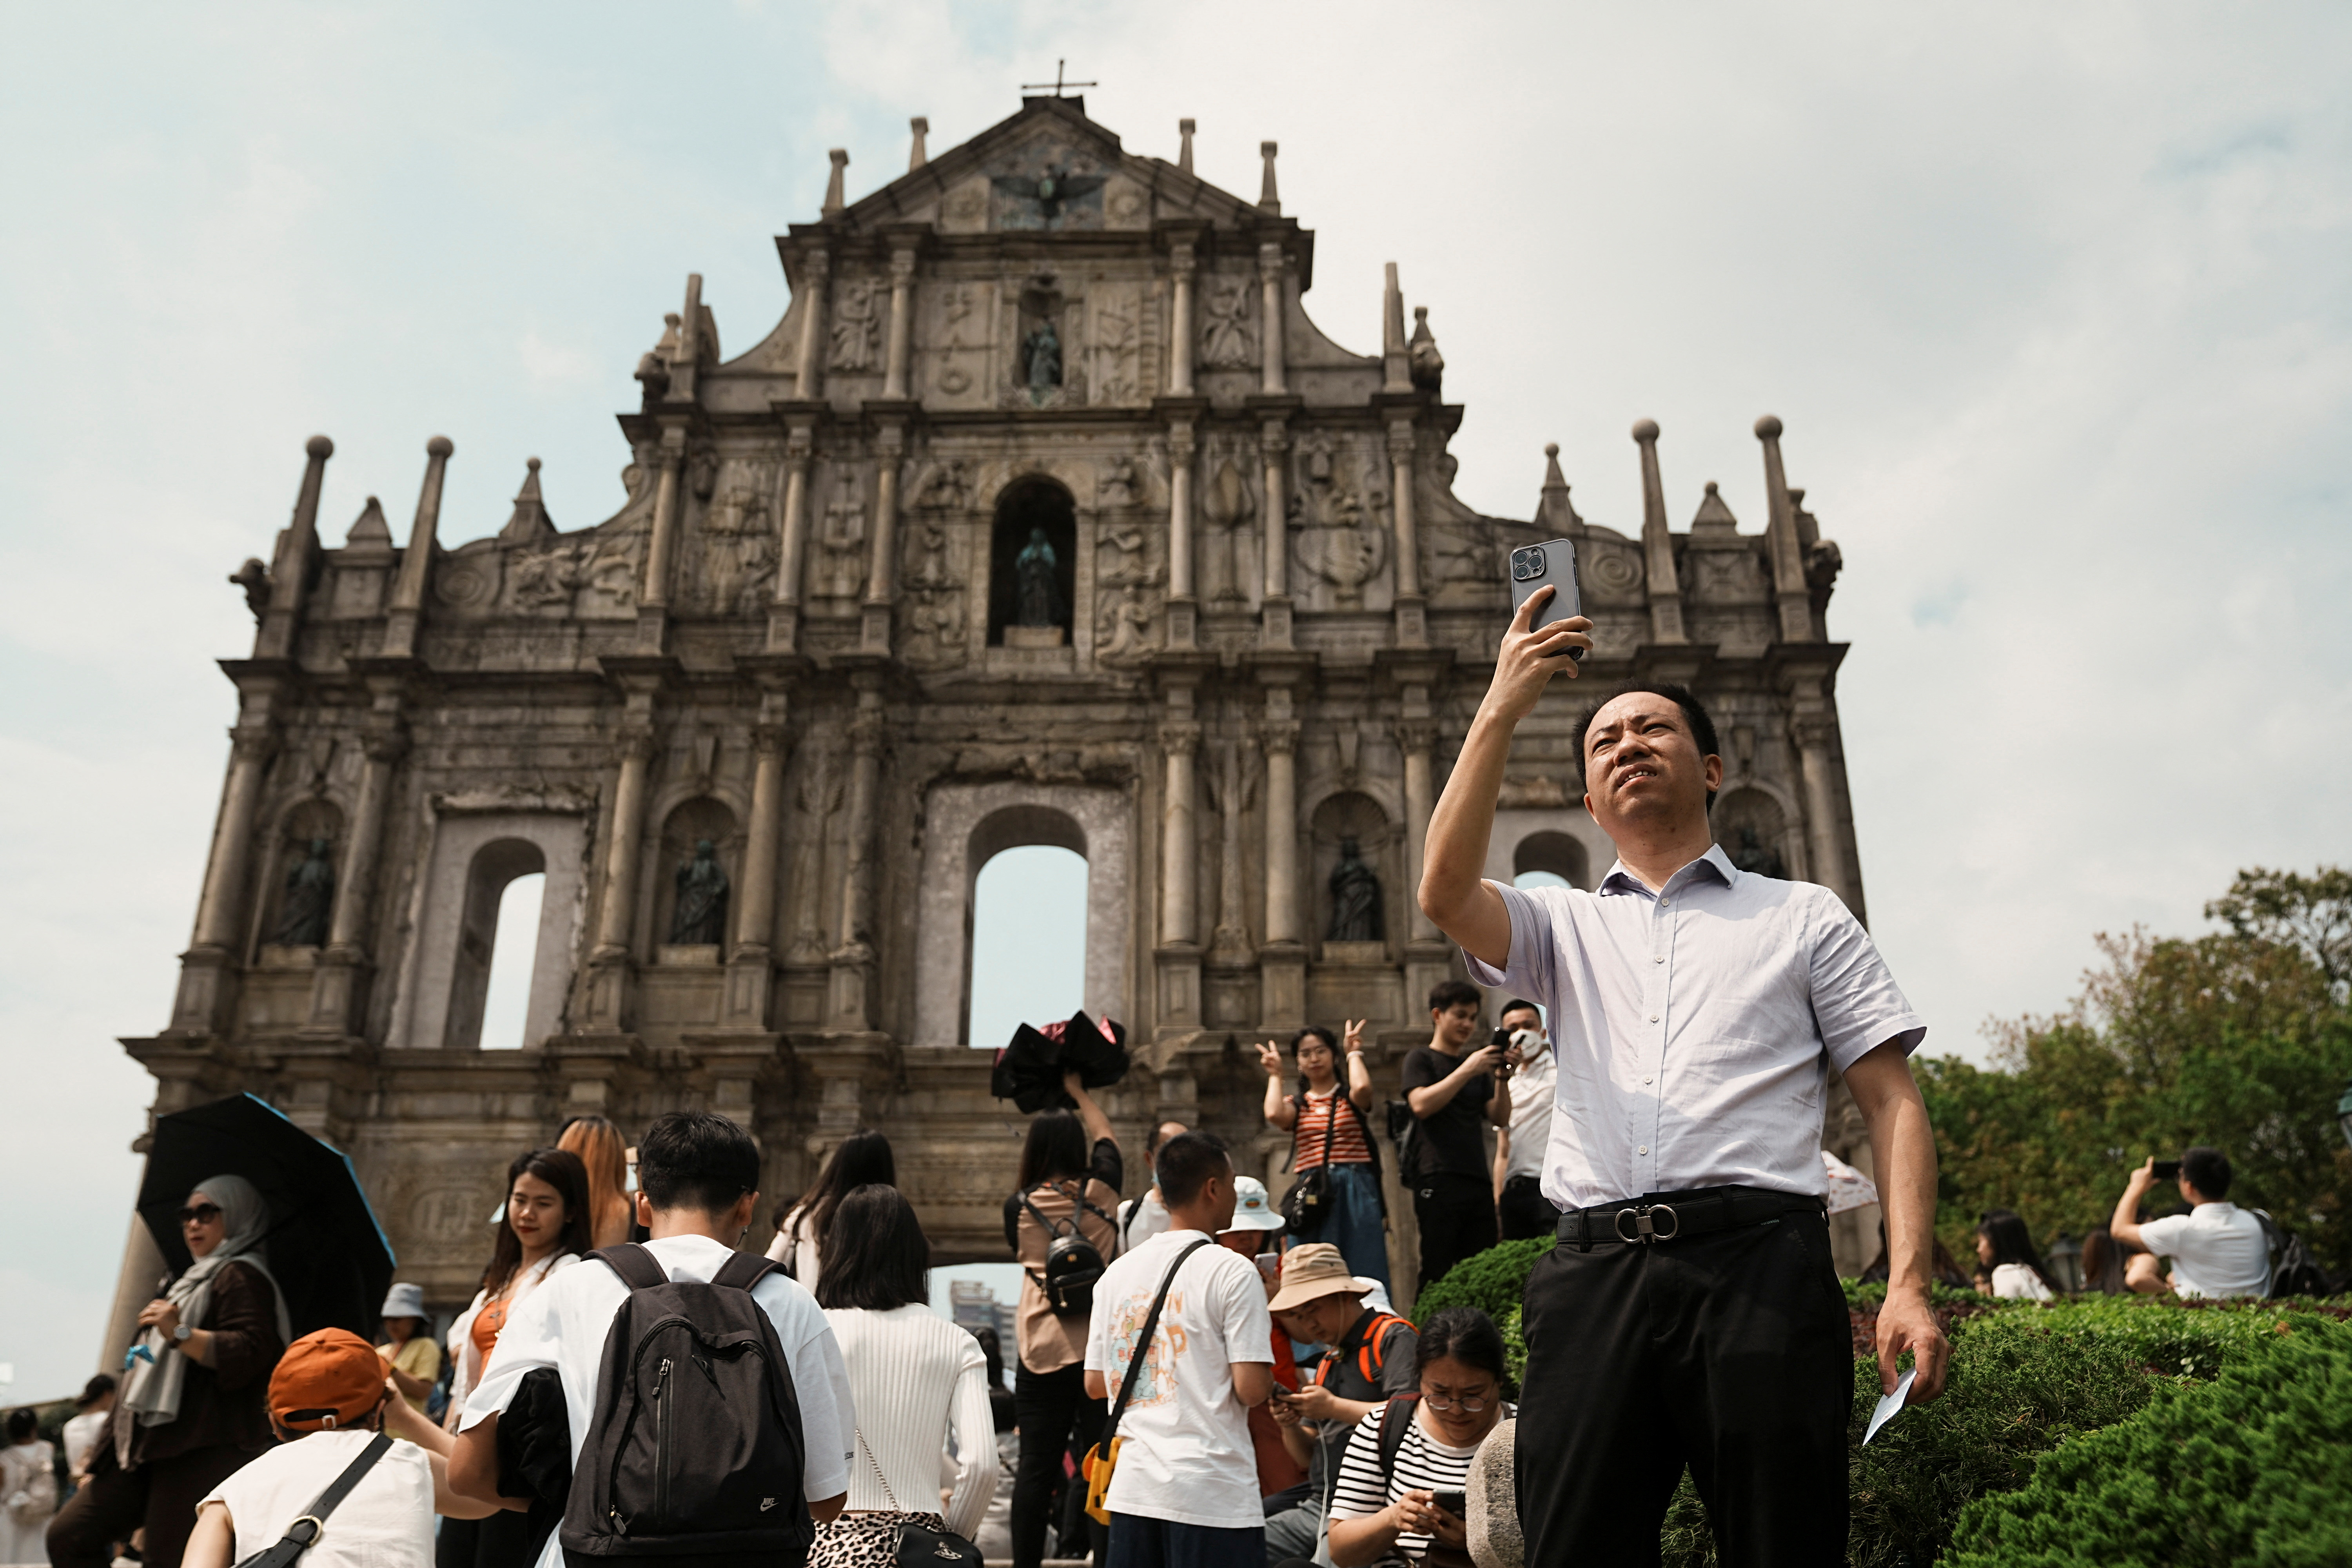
1689,1313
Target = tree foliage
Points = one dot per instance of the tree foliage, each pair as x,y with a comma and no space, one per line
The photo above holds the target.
2241,1038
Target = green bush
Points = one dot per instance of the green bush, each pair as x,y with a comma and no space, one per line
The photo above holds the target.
1494,1280
2251,1468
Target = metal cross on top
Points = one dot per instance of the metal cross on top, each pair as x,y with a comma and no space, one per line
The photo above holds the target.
1057,84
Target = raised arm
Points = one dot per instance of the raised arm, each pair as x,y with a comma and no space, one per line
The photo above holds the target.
1279,1109
1453,891
1097,1124
1360,1077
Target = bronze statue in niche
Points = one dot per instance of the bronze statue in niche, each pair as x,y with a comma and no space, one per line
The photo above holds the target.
310,902
1355,898
701,917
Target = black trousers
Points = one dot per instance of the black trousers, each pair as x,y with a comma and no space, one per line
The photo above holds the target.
1458,1218
1526,1211
1729,1352
160,1496
1050,1408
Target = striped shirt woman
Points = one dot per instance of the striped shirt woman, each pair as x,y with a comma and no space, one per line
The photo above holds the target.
1391,1514
1328,1125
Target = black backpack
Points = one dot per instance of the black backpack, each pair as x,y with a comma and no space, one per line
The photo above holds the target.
694,1455
2293,1270
1073,1263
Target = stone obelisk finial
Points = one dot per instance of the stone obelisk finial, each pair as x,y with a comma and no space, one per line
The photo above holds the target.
1396,366
832,201
1269,200
1184,146
416,561
291,574
916,156
1657,543
1789,590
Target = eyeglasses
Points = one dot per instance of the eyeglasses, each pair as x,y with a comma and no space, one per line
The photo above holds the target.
200,1214
1466,1405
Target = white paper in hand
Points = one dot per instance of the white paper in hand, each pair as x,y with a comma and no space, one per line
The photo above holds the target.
1888,1406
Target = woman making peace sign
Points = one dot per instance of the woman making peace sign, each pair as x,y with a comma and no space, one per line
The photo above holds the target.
1331,1130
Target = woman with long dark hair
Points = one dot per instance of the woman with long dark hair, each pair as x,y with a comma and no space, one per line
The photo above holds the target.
2005,1244
914,1377
1379,1513
1070,1177
1332,1131
861,1160
544,1230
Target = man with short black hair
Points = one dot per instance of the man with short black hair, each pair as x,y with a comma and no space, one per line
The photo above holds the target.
2217,1248
1689,1317
1454,1091
1520,1204
1144,1216
697,1179
1184,1494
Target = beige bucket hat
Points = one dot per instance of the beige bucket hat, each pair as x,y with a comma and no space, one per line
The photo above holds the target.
1316,1270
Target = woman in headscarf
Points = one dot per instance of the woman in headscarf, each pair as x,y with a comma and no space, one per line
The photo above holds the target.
192,1406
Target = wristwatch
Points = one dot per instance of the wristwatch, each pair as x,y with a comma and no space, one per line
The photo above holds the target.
181,1333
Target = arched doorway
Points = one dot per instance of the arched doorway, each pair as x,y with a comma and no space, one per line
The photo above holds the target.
1028,941
1030,601
1550,859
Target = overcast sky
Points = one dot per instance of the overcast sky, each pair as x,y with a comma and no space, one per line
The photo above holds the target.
2053,301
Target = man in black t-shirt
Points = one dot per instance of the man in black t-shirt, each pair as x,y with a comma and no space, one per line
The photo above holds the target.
1454,1092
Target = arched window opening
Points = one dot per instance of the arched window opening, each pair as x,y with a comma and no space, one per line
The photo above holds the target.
1551,860
1753,831
506,1001
494,939
1032,565
1028,941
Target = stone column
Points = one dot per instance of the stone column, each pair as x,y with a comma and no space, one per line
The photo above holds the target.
902,323
1282,964
1275,626
882,565
1231,943
1181,349
334,979
1269,277
751,964
653,597
1415,736
1182,596
1815,735
408,607
792,542
1412,612
289,577
608,962
853,956
808,366
204,969
1180,837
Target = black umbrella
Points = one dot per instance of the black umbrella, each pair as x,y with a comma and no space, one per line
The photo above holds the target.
324,1246
1029,1069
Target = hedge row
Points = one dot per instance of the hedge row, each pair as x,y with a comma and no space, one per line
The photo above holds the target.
2121,1381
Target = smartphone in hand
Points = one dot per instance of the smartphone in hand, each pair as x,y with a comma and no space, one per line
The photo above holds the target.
2168,1170
1455,1503
1551,564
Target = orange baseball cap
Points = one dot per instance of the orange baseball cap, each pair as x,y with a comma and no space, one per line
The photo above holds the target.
325,1381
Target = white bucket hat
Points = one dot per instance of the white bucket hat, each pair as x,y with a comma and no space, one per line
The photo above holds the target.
1253,1210
405,1301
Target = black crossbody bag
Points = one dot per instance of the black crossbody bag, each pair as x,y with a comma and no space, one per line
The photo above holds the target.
918,1546
311,1524
1309,1202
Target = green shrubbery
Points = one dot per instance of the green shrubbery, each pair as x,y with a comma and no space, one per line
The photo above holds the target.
2056,1415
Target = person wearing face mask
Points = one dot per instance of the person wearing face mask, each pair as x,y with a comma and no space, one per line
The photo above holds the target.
545,1229
1519,1202
1399,1498
191,1409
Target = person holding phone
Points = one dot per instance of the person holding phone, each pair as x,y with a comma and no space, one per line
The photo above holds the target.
1401,1500
2217,1248
1690,1312
1454,1091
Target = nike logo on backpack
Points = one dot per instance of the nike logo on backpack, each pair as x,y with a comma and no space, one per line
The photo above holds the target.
766,1503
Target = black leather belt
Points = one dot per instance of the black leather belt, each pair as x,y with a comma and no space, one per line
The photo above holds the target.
1671,1216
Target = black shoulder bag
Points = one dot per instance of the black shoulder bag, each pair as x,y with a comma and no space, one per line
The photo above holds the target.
918,1546
1307,1203
311,1524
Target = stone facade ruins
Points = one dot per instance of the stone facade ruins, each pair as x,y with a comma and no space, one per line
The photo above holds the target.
818,637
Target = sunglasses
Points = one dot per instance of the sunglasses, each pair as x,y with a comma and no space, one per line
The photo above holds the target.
200,1214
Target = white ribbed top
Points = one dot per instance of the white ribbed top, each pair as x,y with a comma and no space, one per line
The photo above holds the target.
915,1376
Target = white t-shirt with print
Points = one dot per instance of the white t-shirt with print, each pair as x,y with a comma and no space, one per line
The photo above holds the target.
386,1522
2217,1249
1185,1453
563,1324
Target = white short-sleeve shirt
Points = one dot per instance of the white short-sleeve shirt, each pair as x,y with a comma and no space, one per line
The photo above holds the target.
564,1324
1185,1453
2217,1249
386,1522
1695,1026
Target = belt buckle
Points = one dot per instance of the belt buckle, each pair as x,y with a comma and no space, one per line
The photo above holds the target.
1645,1231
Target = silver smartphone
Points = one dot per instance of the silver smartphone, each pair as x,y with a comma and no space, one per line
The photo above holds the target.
1551,564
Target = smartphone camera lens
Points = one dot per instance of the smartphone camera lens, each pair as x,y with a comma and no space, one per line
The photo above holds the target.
1526,564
